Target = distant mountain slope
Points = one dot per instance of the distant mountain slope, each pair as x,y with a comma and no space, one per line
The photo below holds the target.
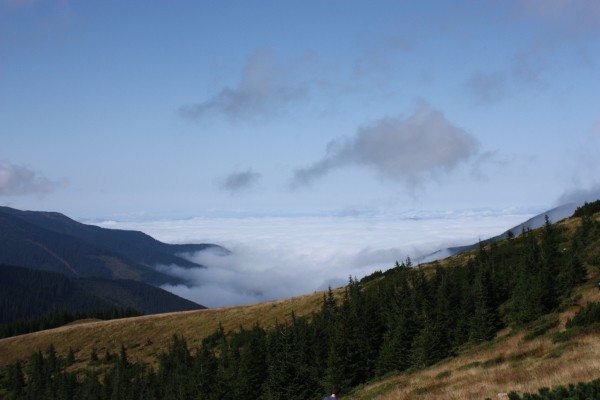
26,293
140,296
556,214
54,242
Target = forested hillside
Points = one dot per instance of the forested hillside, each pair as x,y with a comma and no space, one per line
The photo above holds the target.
403,319
29,296
27,293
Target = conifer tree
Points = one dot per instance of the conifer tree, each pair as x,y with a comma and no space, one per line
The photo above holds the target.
252,372
549,263
16,380
37,376
485,320
428,346
70,357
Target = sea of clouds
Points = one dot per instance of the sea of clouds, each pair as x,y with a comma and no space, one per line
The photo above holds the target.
278,257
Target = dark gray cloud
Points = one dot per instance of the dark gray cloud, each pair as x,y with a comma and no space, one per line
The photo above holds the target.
486,88
406,150
16,180
264,87
240,181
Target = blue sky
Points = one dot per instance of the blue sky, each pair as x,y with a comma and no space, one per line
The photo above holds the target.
173,109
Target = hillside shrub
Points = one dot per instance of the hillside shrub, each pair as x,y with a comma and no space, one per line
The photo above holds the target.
582,390
542,325
588,315
587,209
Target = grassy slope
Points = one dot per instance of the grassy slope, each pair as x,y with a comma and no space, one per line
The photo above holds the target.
508,363
146,336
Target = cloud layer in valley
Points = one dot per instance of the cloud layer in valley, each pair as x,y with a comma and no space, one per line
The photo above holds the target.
275,258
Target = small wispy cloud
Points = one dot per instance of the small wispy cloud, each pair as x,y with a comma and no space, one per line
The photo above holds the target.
407,150
486,88
567,16
264,86
585,181
17,180
595,130
240,181
380,57
484,160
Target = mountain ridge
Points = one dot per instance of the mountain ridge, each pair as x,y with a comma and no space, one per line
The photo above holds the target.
555,214
52,241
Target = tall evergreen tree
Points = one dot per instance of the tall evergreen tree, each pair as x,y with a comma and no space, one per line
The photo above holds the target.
485,320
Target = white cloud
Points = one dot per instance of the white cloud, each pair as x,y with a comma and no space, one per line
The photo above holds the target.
17,180
406,150
276,258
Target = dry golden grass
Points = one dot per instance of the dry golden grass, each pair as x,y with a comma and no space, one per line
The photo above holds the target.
510,363
147,336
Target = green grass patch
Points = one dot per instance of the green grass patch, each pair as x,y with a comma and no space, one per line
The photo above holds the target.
493,362
442,375
473,364
542,325
370,392
421,390
524,355
574,332
558,351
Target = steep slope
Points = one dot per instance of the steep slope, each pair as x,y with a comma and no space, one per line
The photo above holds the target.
522,361
24,244
54,242
27,293
140,296
556,214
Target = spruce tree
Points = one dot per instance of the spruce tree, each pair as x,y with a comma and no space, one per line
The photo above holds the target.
252,372
485,320
16,380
